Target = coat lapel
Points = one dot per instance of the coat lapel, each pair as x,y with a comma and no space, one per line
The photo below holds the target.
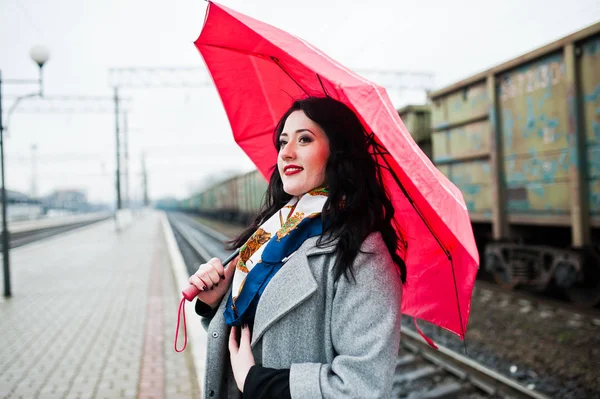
293,284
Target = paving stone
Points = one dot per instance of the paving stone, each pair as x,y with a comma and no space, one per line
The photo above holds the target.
85,336
4,391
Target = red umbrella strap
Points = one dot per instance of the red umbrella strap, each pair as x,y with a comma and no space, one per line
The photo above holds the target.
425,337
179,311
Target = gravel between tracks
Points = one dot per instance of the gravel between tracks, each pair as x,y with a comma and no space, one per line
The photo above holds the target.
555,350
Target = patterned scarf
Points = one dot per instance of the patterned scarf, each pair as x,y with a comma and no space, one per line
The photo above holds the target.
268,248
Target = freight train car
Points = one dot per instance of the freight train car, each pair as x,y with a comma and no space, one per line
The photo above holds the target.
522,142
237,199
417,119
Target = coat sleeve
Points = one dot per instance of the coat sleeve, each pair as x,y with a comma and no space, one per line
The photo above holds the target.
365,332
205,312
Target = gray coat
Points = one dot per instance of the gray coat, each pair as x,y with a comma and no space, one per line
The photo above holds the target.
338,338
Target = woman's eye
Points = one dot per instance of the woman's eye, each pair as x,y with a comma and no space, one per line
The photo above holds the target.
305,139
282,144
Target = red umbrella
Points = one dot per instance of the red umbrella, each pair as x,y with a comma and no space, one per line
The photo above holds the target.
260,70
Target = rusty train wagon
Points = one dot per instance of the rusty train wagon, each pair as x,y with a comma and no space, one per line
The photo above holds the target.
251,188
237,199
417,119
522,142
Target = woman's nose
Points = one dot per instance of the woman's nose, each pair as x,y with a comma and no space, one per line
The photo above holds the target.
288,151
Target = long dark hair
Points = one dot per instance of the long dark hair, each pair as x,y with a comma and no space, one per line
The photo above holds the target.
353,179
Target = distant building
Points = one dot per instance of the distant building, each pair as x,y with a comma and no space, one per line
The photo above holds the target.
69,200
21,206
16,197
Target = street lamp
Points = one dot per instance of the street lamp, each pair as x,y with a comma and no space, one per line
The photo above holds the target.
40,55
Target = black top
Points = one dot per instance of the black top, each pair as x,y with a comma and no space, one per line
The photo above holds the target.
266,383
261,382
204,310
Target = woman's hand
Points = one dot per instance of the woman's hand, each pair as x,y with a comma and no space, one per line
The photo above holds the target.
241,356
213,281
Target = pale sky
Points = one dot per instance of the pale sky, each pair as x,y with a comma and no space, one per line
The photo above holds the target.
184,132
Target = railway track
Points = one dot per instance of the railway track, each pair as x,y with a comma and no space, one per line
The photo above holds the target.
421,371
20,238
424,372
197,243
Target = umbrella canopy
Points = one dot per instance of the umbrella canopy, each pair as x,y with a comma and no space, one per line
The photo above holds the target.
260,70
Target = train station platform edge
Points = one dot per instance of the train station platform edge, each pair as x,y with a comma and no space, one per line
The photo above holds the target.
195,331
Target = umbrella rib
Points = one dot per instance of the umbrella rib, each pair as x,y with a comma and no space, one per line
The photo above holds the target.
458,305
323,86
382,154
278,63
260,55
274,59
377,149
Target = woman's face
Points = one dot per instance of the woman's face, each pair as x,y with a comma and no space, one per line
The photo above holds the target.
303,154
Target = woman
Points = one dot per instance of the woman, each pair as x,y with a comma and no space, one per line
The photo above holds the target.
316,289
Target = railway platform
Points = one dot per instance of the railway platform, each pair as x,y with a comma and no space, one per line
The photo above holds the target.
93,315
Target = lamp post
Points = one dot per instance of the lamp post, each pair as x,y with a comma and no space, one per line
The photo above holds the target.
40,55
118,149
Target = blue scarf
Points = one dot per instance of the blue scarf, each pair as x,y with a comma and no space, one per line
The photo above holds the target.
289,237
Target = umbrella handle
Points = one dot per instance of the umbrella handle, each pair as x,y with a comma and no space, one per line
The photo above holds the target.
192,291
